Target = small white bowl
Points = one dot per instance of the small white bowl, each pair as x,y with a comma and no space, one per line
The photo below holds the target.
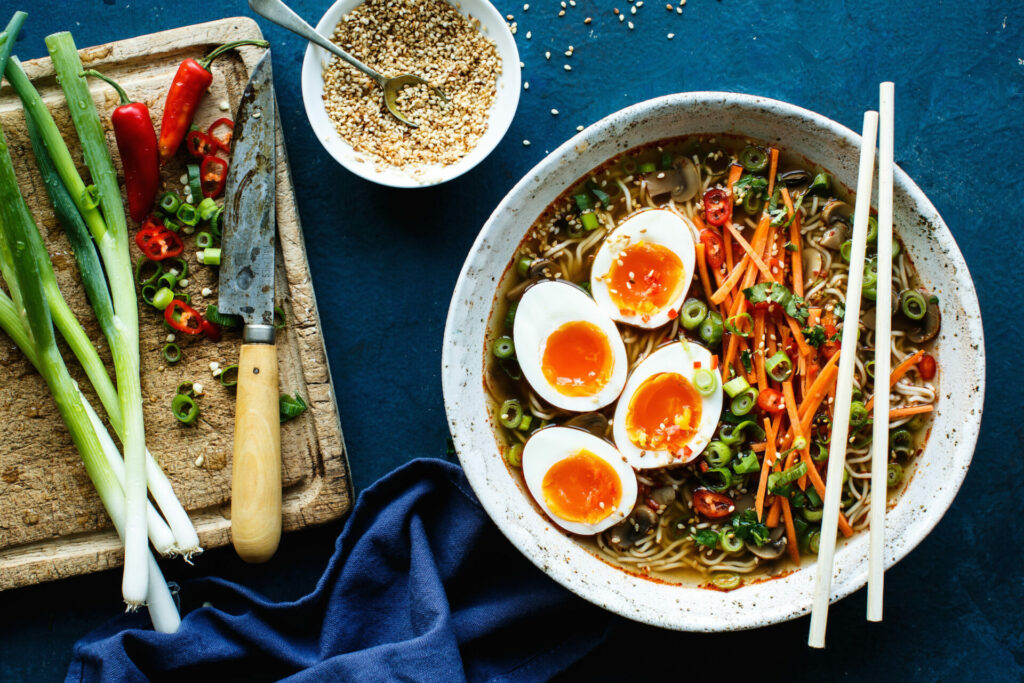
492,25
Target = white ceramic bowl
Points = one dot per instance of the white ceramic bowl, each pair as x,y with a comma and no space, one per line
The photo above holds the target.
938,472
506,100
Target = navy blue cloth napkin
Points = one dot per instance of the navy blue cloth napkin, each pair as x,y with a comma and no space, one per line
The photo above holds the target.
421,587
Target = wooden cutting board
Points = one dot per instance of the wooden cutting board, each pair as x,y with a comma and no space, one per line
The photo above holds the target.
52,524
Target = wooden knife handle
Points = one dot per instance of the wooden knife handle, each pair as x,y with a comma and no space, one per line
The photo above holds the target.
256,471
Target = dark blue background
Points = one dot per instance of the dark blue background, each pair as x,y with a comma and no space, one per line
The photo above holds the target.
384,263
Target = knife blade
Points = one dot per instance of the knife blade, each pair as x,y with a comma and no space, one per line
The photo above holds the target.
247,289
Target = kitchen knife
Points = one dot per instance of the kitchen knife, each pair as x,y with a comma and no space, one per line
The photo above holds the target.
247,289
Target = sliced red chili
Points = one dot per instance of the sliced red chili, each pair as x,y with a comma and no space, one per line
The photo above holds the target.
770,401
212,174
712,505
829,348
183,317
211,330
222,141
714,249
717,207
926,367
200,145
157,242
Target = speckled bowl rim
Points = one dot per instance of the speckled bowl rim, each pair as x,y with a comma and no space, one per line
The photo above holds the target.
936,477
506,100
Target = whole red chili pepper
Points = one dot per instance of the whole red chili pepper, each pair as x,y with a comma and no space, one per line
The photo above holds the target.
190,84
136,143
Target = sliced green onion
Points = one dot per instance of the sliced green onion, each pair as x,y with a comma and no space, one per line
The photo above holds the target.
893,475
711,328
525,423
717,454
822,183
732,434
822,453
693,313
291,407
583,202
845,250
812,514
735,386
168,280
204,239
183,296
218,318
744,402
169,202
858,415
195,185
734,324
647,167
778,480
163,298
229,376
178,265
523,264
187,214
869,368
705,381
148,292
210,256
872,229
186,388
813,540
511,368
754,159
215,221
171,224
717,478
510,315
280,320
666,160
628,165
511,414
726,581
746,463
753,203
171,353
503,347
901,442
206,208
514,455
147,272
896,247
589,221
729,541
779,366
184,408
913,304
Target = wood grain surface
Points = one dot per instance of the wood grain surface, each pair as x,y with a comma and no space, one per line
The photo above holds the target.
51,521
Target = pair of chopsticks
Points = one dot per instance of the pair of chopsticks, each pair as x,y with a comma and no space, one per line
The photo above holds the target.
844,386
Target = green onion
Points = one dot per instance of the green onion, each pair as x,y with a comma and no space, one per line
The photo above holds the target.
858,415
812,514
169,202
753,203
896,247
744,402
187,214
511,368
511,413
171,224
813,539
186,388
869,368
291,407
280,320
726,581
893,475
514,455
693,313
779,366
647,167
872,229
705,381
215,221
503,347
746,463
732,434
736,386
167,280
525,423
148,292
822,183
510,315
717,478
754,159
778,480
717,454
183,296
163,298
901,442
229,376
523,264
203,239
711,329
628,165
913,304
206,209
195,185
666,160
822,454
143,276
171,353
184,408
733,324
729,541
218,318
210,256
845,250
583,202
589,221
745,360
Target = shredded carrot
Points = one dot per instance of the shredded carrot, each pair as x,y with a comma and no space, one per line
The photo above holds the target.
798,335
819,388
796,257
898,372
787,200
702,266
819,486
761,265
759,447
774,513
898,413
762,379
791,545
730,282
794,419
735,171
774,153
730,351
766,466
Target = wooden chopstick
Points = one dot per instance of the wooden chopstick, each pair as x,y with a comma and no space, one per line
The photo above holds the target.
844,386
883,340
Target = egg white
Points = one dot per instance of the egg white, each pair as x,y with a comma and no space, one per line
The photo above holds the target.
544,308
677,357
654,226
550,445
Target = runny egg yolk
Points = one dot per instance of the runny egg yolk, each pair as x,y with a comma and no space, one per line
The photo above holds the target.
664,413
577,359
582,488
644,278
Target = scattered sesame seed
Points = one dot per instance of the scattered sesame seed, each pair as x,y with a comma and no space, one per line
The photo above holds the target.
207,291
547,55
526,7
509,17
200,460
183,179
568,53
526,85
529,34
170,338
616,10
671,36
630,24
554,112
632,10
223,105
622,17
183,282
579,127
668,7
567,67
561,12
197,387
587,20
526,143
572,3
679,10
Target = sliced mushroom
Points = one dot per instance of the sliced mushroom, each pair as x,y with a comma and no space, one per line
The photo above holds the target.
595,423
717,162
680,182
836,210
836,215
796,180
814,263
929,328
663,495
773,549
540,269
898,321
626,533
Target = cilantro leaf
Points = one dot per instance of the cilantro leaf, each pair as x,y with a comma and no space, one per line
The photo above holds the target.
749,529
815,336
706,538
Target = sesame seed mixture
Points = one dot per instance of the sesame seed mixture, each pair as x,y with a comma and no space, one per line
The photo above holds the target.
428,38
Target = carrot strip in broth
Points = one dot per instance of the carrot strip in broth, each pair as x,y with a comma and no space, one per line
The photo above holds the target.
774,166
796,257
898,372
761,265
899,413
791,544
702,267
766,466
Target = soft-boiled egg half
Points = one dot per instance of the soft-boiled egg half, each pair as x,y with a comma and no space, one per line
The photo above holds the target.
643,269
662,419
571,353
580,481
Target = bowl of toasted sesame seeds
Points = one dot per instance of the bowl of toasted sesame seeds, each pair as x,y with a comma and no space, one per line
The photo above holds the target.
465,48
